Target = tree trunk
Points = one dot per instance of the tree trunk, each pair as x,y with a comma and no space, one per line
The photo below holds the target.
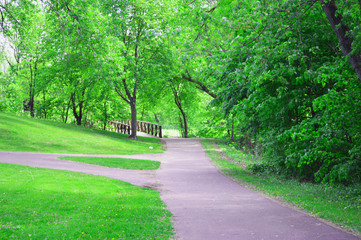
105,116
178,102
184,116
156,118
67,111
44,108
232,130
181,126
341,30
78,116
31,92
31,103
133,109
185,123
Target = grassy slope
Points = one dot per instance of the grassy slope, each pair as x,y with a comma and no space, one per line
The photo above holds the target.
123,163
51,204
338,204
34,135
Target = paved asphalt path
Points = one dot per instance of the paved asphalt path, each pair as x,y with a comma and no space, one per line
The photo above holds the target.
205,204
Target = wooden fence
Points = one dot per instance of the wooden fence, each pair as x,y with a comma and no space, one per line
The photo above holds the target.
119,127
146,127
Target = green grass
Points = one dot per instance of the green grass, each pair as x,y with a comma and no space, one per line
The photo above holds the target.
23,134
238,156
340,205
50,204
124,163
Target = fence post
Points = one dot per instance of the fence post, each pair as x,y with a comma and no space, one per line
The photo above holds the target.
160,131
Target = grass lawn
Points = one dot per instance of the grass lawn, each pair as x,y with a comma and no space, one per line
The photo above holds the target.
23,134
124,163
50,204
340,205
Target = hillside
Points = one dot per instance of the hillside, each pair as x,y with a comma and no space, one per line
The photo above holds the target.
23,134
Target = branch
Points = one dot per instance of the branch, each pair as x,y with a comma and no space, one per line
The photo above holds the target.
8,62
9,13
254,39
214,8
2,21
177,99
117,89
200,85
70,12
205,23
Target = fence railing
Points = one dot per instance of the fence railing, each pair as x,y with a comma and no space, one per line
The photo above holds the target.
150,128
119,127
146,127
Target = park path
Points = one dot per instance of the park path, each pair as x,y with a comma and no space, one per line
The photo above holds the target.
205,204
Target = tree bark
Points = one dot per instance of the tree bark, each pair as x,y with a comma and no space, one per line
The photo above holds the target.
67,111
78,116
45,105
31,91
178,102
132,101
156,118
184,122
181,126
341,31
31,104
232,129
105,116
133,109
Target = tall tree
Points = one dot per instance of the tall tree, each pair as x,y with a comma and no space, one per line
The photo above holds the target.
344,33
134,49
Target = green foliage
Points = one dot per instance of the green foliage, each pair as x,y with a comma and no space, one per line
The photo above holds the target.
286,85
50,204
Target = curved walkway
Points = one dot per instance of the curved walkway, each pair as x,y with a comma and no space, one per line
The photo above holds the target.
205,204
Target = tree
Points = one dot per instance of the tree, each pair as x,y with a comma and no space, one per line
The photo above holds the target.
134,47
178,90
25,32
343,31
75,61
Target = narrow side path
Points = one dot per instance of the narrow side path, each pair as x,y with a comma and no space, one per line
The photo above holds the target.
208,205
143,178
